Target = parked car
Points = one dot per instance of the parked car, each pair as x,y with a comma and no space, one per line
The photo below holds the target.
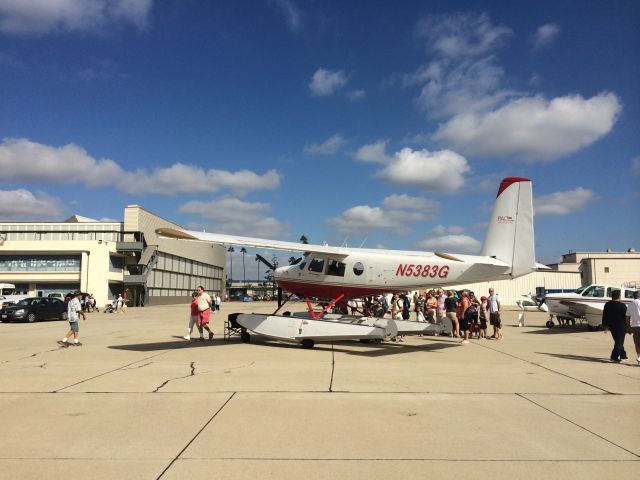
33,309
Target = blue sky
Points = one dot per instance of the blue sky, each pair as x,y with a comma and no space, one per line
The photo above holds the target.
362,123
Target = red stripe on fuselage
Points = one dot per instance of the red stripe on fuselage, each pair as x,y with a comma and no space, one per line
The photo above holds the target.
321,290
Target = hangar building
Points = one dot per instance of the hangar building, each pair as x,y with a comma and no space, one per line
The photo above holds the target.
108,258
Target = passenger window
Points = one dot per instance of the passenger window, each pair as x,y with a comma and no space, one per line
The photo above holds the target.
316,265
628,293
358,268
335,268
598,292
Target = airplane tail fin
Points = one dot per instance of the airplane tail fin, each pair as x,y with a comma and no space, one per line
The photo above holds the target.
510,232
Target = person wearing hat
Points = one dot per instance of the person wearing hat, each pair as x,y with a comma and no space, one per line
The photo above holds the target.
74,311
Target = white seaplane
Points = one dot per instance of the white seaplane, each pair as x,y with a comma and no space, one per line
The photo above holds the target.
586,303
342,273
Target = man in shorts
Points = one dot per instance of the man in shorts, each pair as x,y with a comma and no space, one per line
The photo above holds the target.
493,302
204,311
633,321
74,311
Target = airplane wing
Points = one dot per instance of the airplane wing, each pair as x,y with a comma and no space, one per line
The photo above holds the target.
222,239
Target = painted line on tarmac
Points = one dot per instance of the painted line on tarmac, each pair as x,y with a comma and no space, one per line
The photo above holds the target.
578,425
546,368
195,436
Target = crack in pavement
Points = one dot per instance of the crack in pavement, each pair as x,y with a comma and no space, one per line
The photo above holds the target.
191,374
229,370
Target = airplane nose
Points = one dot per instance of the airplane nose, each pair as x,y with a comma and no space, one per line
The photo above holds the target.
282,271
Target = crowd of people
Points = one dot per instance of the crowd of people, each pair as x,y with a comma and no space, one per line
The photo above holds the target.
468,315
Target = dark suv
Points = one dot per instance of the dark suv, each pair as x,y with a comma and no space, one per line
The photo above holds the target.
35,308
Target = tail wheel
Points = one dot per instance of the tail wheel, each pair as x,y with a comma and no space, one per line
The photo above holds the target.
245,337
549,324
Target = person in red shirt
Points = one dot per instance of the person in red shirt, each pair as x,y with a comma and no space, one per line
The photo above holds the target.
193,319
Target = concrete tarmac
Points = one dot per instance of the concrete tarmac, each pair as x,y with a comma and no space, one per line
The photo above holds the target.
138,401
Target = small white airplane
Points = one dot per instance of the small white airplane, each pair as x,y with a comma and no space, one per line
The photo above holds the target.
342,273
585,303
529,303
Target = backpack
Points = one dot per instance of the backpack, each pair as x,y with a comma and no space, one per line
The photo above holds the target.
406,307
472,313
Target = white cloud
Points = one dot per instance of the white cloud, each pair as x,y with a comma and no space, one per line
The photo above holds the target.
72,164
328,147
188,179
399,212
463,87
406,202
533,127
356,95
326,82
234,216
468,85
374,152
363,218
442,230
441,171
21,204
563,203
545,35
635,166
291,12
45,16
461,34
67,164
462,244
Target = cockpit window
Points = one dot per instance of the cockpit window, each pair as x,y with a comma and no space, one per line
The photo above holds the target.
317,265
580,290
594,291
335,268
611,290
302,265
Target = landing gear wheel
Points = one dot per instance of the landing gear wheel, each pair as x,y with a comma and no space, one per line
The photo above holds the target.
307,343
549,324
573,322
592,328
245,337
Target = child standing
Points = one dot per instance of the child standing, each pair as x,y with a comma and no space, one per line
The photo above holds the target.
193,319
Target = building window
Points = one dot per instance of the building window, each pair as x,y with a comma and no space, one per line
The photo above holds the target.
606,269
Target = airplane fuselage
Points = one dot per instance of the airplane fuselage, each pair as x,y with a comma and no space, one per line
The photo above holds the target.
368,272
586,302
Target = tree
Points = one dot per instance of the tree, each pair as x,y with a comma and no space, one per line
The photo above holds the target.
231,250
244,271
304,239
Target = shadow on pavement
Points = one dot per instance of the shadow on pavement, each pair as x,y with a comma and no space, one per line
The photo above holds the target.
580,358
348,347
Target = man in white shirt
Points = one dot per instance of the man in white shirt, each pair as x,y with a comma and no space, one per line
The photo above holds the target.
493,302
74,312
633,321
